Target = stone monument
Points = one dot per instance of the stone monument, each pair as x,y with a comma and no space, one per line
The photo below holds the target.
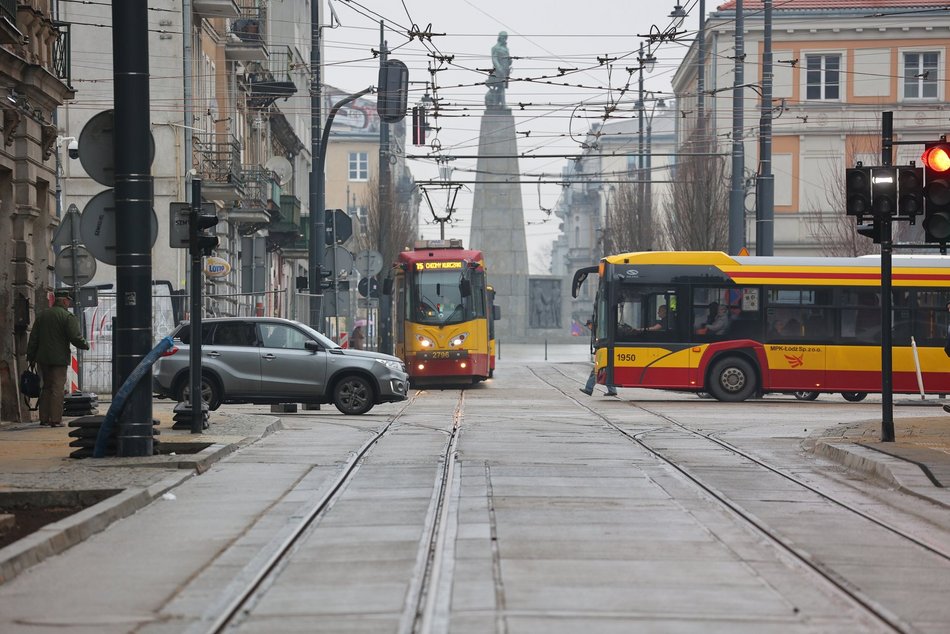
497,211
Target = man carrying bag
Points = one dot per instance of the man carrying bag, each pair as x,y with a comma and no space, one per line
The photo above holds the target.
48,347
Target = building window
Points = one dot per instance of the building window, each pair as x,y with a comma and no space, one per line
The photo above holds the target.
361,215
920,75
359,166
822,76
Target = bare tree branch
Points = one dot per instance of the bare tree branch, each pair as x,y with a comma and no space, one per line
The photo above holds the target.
697,217
399,231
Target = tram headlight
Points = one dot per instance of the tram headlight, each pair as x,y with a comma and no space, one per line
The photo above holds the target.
458,340
425,342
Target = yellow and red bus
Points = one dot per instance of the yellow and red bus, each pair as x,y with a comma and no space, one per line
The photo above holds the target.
443,313
739,326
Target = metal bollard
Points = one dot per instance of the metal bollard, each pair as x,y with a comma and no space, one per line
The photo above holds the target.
545,349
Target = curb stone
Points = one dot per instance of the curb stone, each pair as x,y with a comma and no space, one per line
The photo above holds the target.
903,476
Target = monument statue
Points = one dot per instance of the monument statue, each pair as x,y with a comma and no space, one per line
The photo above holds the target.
498,78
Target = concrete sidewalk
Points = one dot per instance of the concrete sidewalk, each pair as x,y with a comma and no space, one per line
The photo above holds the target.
37,472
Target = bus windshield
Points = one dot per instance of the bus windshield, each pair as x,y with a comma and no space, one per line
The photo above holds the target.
437,299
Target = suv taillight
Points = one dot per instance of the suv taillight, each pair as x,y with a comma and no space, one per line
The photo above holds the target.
170,351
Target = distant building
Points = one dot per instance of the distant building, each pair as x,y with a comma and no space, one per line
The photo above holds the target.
836,69
610,159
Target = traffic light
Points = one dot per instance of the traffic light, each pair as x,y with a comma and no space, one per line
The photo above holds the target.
936,160
871,230
324,274
883,191
910,192
393,91
858,191
202,241
418,125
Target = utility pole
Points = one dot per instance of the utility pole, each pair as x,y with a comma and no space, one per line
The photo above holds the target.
644,213
887,247
133,201
701,73
737,193
765,187
385,205
317,177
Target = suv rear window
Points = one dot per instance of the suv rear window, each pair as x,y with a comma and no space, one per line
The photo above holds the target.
184,333
222,333
234,333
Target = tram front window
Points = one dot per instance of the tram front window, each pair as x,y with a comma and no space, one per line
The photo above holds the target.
437,299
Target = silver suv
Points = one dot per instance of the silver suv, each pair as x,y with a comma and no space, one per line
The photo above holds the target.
271,360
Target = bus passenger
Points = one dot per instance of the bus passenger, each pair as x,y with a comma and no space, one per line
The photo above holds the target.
720,323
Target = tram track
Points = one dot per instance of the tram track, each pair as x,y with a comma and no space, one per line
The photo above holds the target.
800,553
427,599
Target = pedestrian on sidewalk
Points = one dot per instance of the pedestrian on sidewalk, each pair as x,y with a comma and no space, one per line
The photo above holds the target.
588,389
48,347
358,336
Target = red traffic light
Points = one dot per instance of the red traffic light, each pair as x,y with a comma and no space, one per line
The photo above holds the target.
937,158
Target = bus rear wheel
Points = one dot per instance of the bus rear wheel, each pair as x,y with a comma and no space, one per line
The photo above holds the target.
806,396
732,379
854,397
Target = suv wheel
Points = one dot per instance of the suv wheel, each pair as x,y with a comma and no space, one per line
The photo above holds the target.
210,392
353,395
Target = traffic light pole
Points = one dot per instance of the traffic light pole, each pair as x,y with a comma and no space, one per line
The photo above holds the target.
194,349
887,388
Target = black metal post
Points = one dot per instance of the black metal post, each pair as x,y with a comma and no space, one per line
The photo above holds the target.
385,209
133,201
765,187
194,349
737,193
887,392
317,224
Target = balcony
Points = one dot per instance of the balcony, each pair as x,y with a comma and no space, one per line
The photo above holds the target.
247,36
255,209
286,233
61,61
9,33
270,80
216,8
219,165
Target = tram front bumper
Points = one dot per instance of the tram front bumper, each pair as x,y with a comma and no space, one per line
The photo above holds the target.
441,362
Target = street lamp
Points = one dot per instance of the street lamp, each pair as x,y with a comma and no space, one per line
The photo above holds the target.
678,14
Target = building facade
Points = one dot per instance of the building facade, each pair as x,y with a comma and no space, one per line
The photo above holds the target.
35,81
837,66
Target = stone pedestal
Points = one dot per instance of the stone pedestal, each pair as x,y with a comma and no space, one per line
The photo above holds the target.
498,222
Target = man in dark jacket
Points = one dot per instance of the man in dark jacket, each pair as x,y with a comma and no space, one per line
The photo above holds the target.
54,329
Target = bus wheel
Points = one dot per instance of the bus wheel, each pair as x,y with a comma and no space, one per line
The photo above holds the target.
854,397
806,396
732,379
